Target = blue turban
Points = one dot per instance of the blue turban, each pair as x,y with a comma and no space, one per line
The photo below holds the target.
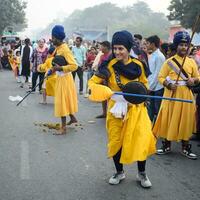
123,38
58,32
181,37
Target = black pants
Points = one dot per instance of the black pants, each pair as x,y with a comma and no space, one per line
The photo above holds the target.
119,166
79,72
35,77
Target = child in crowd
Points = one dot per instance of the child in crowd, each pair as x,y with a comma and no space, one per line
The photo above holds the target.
49,84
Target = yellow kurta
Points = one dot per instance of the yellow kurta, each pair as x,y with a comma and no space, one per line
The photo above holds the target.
133,134
176,120
15,65
65,90
11,61
49,83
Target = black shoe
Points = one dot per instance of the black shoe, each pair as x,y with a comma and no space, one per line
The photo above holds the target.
31,91
164,149
186,151
101,116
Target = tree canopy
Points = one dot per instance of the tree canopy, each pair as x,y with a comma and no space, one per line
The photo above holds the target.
138,18
185,11
12,14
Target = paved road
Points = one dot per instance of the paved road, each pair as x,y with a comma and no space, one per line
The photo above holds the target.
36,165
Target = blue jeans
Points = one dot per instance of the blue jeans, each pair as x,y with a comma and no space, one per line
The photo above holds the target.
90,73
154,106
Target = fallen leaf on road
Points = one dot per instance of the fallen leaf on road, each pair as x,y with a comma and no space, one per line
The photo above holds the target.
55,126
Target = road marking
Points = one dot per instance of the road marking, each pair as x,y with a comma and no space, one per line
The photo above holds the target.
25,164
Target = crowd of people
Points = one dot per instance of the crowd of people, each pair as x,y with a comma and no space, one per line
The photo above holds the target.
164,69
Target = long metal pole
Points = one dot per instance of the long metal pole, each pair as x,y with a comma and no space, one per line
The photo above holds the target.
30,91
154,97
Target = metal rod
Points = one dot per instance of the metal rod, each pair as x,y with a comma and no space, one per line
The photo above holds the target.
154,97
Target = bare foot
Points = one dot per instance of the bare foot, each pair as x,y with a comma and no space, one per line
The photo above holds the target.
72,121
62,131
43,103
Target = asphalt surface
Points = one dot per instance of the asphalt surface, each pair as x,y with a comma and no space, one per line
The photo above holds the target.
37,165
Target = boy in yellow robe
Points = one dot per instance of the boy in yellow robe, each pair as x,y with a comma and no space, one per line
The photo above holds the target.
11,58
49,83
66,102
130,138
16,65
176,121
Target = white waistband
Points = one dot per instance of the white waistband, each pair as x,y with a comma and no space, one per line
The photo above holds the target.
180,83
60,73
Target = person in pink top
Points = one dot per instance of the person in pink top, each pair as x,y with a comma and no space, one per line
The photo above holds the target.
106,50
38,57
90,57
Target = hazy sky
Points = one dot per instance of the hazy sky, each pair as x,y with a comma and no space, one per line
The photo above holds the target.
42,12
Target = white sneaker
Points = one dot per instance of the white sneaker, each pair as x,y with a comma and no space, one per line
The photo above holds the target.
86,95
116,178
18,80
186,151
144,180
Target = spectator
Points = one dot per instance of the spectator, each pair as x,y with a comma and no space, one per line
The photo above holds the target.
156,61
38,57
26,53
89,61
164,48
79,53
106,50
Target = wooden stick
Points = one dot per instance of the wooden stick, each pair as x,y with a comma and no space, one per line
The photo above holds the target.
193,32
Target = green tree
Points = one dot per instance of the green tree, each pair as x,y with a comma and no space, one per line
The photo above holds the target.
98,16
184,11
137,18
12,13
